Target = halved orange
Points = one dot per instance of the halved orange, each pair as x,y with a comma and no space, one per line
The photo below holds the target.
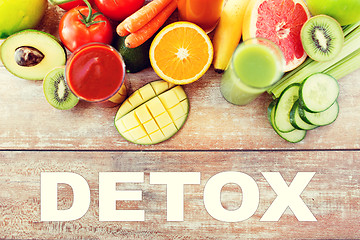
181,53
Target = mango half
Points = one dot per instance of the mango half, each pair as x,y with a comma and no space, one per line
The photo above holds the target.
153,113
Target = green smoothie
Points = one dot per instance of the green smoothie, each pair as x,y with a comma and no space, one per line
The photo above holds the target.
253,68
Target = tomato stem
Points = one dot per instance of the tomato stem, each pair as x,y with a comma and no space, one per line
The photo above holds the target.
90,18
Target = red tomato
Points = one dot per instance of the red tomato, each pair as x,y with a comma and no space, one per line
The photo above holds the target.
69,5
118,10
74,32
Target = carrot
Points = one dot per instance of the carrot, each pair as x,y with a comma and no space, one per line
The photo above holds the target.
121,31
143,34
141,17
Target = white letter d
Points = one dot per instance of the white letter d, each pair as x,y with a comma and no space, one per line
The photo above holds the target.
81,201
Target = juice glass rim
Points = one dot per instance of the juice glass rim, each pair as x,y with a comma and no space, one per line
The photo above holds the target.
85,46
280,63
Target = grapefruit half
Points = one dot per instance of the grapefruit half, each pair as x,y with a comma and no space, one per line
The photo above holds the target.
279,21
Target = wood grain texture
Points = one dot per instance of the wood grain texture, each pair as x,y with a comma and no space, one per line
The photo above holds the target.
28,121
333,194
217,137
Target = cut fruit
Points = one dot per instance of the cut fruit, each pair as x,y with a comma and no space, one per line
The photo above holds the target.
318,92
57,92
31,54
322,38
345,63
181,53
153,113
279,21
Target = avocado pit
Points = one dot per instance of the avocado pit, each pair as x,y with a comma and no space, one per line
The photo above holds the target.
27,56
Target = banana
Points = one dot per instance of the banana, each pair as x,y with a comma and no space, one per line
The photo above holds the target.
228,32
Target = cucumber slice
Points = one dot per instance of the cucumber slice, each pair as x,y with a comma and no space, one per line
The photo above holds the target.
286,101
293,136
296,120
322,118
318,92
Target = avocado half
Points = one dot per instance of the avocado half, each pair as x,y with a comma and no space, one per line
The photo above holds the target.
31,54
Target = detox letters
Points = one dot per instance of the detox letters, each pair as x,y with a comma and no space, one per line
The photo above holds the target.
287,195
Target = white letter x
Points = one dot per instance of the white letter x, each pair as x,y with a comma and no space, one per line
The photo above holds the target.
288,196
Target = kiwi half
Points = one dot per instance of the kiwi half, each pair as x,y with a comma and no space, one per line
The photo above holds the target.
57,93
322,38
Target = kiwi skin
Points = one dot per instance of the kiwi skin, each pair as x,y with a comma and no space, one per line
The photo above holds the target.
322,38
60,98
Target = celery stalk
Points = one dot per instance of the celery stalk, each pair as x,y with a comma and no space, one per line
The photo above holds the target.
345,66
351,44
349,28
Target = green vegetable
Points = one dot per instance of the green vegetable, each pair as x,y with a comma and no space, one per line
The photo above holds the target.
284,106
318,92
351,62
294,136
320,118
292,114
136,59
346,62
297,121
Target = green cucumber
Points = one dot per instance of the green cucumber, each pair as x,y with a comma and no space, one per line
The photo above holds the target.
293,136
282,112
321,118
318,92
296,120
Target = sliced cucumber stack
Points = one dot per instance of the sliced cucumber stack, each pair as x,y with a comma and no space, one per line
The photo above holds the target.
305,106
297,121
318,92
320,118
293,136
282,112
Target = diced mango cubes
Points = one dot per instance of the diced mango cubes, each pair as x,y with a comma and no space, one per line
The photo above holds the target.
143,114
169,130
151,126
155,107
161,86
147,92
153,113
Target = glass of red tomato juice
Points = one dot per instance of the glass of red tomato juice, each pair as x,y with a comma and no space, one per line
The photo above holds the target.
95,72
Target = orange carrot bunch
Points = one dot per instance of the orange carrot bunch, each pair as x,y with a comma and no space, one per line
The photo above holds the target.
144,23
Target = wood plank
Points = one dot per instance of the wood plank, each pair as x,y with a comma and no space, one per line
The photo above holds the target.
333,194
29,122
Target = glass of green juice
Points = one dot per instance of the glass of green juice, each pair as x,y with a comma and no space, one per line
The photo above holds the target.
255,66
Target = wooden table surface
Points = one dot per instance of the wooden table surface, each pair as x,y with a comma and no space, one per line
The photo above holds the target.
217,137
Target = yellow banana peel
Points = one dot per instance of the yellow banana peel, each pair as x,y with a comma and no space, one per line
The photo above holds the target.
228,32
